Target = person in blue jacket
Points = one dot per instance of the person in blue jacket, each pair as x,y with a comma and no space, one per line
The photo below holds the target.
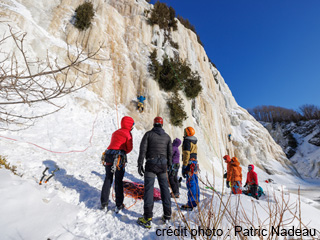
140,103
190,168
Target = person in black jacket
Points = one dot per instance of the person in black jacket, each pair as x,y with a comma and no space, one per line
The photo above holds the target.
156,147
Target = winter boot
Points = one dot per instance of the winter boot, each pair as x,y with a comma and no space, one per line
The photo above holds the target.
144,222
118,209
186,207
104,206
165,219
174,195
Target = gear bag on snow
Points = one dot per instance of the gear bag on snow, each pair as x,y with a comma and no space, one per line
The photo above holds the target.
260,192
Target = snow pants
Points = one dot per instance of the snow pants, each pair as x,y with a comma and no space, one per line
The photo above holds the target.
149,178
236,187
119,173
193,190
253,190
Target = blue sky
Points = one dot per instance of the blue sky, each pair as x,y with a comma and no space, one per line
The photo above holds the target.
267,51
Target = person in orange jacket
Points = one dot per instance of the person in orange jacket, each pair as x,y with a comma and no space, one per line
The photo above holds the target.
227,160
234,176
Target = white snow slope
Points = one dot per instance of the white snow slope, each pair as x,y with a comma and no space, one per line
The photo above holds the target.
67,207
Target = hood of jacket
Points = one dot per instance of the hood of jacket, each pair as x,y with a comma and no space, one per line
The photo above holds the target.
176,142
252,166
234,161
127,123
158,130
193,139
227,158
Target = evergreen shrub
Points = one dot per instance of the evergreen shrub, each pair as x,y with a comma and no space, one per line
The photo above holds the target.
177,113
84,15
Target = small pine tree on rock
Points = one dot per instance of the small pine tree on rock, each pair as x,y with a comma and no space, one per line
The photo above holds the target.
177,113
84,15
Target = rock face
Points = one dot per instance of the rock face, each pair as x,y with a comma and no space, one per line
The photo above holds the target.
300,141
127,38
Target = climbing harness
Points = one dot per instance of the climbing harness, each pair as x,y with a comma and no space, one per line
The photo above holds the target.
118,163
192,168
48,176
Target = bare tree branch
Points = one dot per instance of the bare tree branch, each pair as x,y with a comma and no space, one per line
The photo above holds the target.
31,81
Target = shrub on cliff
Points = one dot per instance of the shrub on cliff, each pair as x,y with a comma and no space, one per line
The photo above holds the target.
177,113
192,85
164,16
83,16
173,75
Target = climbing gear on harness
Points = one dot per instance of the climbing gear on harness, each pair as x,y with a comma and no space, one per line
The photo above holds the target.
49,176
145,222
193,167
189,131
140,107
103,159
118,162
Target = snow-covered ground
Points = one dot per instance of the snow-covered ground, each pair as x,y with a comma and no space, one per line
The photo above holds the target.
67,207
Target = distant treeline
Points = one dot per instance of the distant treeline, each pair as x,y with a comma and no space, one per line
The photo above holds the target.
280,114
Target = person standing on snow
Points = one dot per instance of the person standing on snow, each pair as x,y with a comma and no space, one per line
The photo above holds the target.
227,160
190,168
234,176
173,172
156,148
114,160
252,181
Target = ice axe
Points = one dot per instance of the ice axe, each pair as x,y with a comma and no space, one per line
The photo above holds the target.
49,176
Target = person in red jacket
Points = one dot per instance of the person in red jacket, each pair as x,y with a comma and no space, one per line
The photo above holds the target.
252,181
114,160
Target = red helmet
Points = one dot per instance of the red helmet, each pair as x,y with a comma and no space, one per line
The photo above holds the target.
189,131
158,120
